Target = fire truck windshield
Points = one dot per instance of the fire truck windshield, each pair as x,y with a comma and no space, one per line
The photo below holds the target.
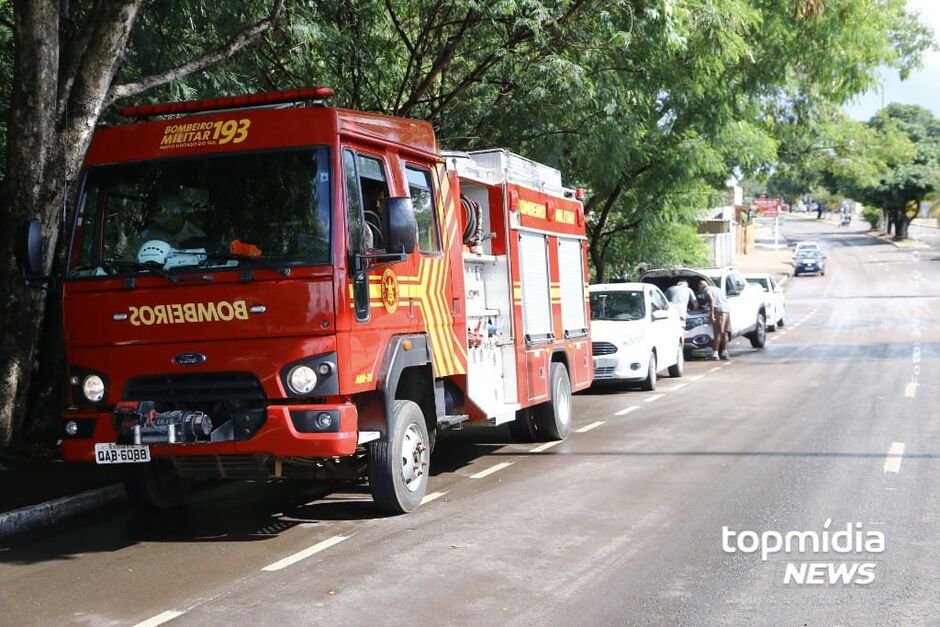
205,213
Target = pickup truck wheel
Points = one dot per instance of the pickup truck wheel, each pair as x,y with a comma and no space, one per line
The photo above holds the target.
649,383
398,466
154,486
781,323
553,419
679,367
759,336
523,427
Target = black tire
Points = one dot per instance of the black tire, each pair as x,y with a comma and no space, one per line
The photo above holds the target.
398,465
523,427
553,418
154,486
649,383
678,369
781,322
759,336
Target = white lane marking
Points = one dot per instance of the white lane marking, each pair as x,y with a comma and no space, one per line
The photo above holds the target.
715,369
489,471
544,447
910,390
593,425
654,397
697,377
302,555
627,410
796,326
159,619
895,454
674,388
433,496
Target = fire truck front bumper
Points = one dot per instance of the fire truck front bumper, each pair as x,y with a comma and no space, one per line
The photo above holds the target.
313,431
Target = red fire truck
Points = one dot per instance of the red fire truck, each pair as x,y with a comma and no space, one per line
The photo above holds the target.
268,286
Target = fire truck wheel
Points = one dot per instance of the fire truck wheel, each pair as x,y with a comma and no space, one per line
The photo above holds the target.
398,467
154,486
553,419
523,427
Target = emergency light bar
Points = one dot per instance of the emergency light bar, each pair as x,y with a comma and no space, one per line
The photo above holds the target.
231,102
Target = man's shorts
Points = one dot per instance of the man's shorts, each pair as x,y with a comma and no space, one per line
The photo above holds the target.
720,324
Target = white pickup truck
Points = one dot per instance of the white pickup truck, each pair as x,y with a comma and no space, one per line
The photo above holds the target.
748,312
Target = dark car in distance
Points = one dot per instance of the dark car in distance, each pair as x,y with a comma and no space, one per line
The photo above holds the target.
809,261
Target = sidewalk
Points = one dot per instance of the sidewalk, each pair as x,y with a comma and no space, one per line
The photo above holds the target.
36,489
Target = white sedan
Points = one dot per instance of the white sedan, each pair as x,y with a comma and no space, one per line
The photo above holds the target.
774,302
635,334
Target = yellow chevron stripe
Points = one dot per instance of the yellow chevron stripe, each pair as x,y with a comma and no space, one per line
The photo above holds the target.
430,321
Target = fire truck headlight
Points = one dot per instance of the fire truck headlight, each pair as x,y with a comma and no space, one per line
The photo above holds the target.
71,428
302,380
93,388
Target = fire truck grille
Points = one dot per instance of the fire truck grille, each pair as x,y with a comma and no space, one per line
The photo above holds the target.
603,348
222,466
196,389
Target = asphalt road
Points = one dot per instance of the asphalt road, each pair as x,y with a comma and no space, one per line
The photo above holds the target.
838,420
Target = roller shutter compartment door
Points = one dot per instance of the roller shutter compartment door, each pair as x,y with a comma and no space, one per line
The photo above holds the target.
536,297
571,275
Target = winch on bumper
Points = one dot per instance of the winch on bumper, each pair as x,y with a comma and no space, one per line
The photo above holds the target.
277,430
140,423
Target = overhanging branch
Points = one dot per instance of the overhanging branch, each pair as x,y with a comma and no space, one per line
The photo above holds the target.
238,42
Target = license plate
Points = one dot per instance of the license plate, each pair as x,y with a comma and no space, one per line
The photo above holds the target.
108,453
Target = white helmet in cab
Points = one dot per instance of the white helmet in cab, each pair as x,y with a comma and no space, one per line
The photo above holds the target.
154,251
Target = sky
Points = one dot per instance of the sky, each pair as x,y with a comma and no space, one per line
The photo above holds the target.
921,88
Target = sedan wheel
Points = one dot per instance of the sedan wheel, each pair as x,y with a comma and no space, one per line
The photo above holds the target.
649,384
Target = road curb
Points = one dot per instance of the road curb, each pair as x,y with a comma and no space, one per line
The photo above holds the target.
57,510
906,243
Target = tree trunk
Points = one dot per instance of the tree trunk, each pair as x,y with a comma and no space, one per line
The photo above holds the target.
597,260
903,222
44,153
31,184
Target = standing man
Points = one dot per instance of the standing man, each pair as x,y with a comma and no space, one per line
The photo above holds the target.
683,298
718,304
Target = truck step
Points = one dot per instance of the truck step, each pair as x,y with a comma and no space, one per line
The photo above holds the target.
450,421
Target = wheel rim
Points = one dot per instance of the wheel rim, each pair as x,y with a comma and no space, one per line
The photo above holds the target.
414,458
680,359
563,401
652,369
761,328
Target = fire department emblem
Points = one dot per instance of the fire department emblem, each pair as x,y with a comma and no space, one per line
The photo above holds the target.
389,290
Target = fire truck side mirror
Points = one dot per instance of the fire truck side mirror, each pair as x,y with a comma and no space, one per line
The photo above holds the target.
401,227
29,250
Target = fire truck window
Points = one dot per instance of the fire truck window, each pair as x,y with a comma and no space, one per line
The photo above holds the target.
374,190
353,202
211,211
422,197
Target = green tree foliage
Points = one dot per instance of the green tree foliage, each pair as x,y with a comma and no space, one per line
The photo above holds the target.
891,162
